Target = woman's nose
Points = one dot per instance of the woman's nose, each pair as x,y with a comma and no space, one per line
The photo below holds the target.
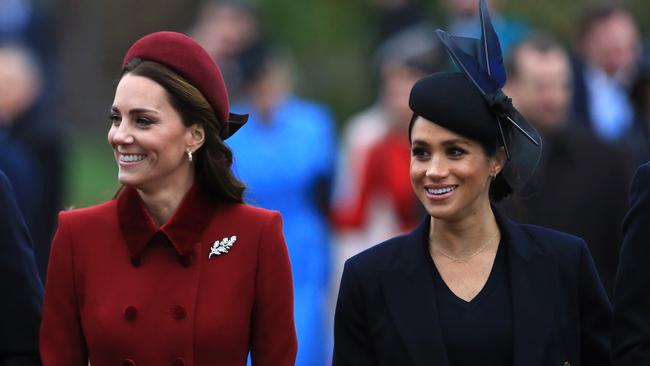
121,134
437,168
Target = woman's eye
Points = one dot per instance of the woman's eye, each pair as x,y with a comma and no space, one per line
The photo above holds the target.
419,153
143,121
115,119
455,152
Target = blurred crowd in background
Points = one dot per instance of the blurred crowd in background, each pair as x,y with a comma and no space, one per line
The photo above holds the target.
326,84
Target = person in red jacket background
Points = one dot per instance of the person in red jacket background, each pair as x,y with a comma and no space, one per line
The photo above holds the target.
175,270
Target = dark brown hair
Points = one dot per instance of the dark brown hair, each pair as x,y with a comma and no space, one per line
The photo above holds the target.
539,42
214,159
599,13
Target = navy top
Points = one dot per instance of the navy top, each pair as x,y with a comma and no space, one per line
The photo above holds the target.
478,332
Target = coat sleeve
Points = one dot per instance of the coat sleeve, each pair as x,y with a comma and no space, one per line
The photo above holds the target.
20,285
631,325
274,340
351,340
595,314
61,339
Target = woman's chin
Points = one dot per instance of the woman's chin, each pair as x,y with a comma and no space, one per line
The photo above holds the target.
128,180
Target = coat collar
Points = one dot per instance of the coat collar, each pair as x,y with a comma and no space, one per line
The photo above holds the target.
184,229
410,296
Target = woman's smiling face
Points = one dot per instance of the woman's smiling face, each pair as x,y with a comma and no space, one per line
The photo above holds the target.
450,173
148,136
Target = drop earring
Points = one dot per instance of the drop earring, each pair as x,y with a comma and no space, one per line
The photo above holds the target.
189,155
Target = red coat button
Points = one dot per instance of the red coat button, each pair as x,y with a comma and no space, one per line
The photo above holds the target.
178,312
130,313
128,362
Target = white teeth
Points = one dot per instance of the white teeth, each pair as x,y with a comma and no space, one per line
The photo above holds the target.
439,191
132,157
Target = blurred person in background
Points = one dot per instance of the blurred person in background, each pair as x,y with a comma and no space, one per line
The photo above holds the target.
20,286
373,196
608,53
227,29
462,20
27,31
581,184
20,87
637,141
175,270
397,15
286,157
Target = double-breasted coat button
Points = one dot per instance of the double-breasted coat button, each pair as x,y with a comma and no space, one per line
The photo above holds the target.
178,312
136,261
180,361
130,313
186,260
128,362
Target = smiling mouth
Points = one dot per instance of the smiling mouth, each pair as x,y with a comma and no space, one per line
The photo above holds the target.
440,191
132,158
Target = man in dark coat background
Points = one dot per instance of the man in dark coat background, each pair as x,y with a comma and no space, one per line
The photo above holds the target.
20,286
581,184
631,325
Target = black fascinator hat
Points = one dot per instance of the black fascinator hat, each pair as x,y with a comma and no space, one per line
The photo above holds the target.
471,102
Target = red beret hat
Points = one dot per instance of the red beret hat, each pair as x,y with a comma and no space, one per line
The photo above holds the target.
186,57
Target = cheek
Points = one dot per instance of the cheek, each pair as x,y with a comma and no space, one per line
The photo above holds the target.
474,172
417,171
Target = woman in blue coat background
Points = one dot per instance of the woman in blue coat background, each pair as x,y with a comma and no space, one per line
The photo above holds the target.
470,286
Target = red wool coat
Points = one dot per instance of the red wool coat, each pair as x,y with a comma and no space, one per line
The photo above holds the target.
121,291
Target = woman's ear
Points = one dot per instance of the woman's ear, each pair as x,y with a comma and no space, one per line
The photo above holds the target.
498,161
196,137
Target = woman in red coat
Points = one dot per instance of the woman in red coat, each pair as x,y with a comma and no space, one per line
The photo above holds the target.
175,270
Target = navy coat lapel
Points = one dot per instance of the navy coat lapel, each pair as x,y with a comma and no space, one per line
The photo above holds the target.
533,284
410,298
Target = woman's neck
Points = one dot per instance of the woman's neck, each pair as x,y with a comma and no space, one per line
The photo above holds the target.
465,236
161,203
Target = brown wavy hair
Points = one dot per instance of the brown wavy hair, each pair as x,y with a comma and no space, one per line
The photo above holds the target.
214,159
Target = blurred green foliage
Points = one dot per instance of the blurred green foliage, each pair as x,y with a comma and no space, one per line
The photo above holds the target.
92,173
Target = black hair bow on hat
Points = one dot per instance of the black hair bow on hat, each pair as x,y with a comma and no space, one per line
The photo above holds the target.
482,62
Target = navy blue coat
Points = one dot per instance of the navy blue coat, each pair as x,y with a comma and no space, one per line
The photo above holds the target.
20,285
386,310
631,332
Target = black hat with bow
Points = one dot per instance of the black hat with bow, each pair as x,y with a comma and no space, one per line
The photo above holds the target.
471,102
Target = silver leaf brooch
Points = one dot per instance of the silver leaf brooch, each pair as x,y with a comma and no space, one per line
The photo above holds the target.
222,246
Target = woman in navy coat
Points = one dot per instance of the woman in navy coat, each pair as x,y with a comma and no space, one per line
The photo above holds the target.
469,286
175,270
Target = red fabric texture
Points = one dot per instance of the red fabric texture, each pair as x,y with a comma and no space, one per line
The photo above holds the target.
386,172
102,306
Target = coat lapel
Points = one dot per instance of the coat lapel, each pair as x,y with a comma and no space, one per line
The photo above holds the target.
533,284
410,298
